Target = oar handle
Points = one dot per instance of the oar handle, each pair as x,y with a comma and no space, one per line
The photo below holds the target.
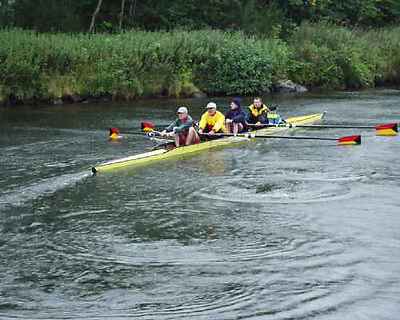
265,125
154,133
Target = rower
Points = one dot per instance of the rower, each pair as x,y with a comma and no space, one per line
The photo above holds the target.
212,121
182,129
258,112
235,118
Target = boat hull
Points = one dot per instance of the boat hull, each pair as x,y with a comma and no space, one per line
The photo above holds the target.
162,154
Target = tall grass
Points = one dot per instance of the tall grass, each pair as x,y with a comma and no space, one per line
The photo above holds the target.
339,58
180,63
382,50
132,64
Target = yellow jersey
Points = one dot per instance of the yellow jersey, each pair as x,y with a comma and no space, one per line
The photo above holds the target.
255,112
215,122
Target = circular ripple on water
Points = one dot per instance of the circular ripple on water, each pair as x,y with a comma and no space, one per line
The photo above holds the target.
292,283
282,187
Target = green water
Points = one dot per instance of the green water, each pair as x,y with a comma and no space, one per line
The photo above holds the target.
275,229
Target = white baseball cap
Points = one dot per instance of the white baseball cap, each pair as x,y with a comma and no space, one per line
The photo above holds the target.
182,110
211,105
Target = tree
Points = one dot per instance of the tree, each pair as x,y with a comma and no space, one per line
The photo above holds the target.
95,13
132,11
252,16
121,15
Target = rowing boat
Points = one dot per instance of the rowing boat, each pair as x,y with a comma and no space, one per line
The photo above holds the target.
162,154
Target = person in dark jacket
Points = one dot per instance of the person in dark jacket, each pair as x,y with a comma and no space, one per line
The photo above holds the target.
235,118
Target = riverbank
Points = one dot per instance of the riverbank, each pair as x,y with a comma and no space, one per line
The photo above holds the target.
60,68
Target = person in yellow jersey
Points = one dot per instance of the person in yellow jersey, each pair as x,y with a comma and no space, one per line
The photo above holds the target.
258,112
212,121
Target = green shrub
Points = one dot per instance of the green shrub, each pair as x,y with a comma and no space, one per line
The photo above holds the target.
335,57
179,63
246,64
236,70
20,76
384,54
315,66
139,63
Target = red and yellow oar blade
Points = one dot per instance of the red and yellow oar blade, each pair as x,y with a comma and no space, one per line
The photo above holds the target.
114,134
147,126
349,140
388,129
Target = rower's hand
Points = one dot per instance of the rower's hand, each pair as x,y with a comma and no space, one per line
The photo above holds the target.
163,133
201,131
170,134
211,132
228,121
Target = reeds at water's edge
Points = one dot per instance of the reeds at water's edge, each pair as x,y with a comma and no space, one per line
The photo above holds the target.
179,63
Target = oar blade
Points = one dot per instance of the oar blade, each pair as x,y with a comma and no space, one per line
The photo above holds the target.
388,129
349,140
114,134
147,126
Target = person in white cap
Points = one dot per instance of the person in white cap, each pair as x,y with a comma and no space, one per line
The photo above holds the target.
212,121
182,129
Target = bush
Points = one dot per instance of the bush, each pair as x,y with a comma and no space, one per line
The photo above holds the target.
236,68
384,54
20,76
315,66
139,63
336,57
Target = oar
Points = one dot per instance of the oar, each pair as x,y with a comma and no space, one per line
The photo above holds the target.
115,134
134,133
146,126
348,140
388,129
148,131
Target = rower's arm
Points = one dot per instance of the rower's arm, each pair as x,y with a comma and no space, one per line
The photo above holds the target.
184,126
171,126
203,122
219,124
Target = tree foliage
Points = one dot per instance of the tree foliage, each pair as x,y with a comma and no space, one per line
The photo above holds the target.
263,17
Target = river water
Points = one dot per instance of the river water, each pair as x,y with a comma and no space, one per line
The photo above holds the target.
272,229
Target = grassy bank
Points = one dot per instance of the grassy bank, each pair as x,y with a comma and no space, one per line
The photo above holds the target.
339,58
180,63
